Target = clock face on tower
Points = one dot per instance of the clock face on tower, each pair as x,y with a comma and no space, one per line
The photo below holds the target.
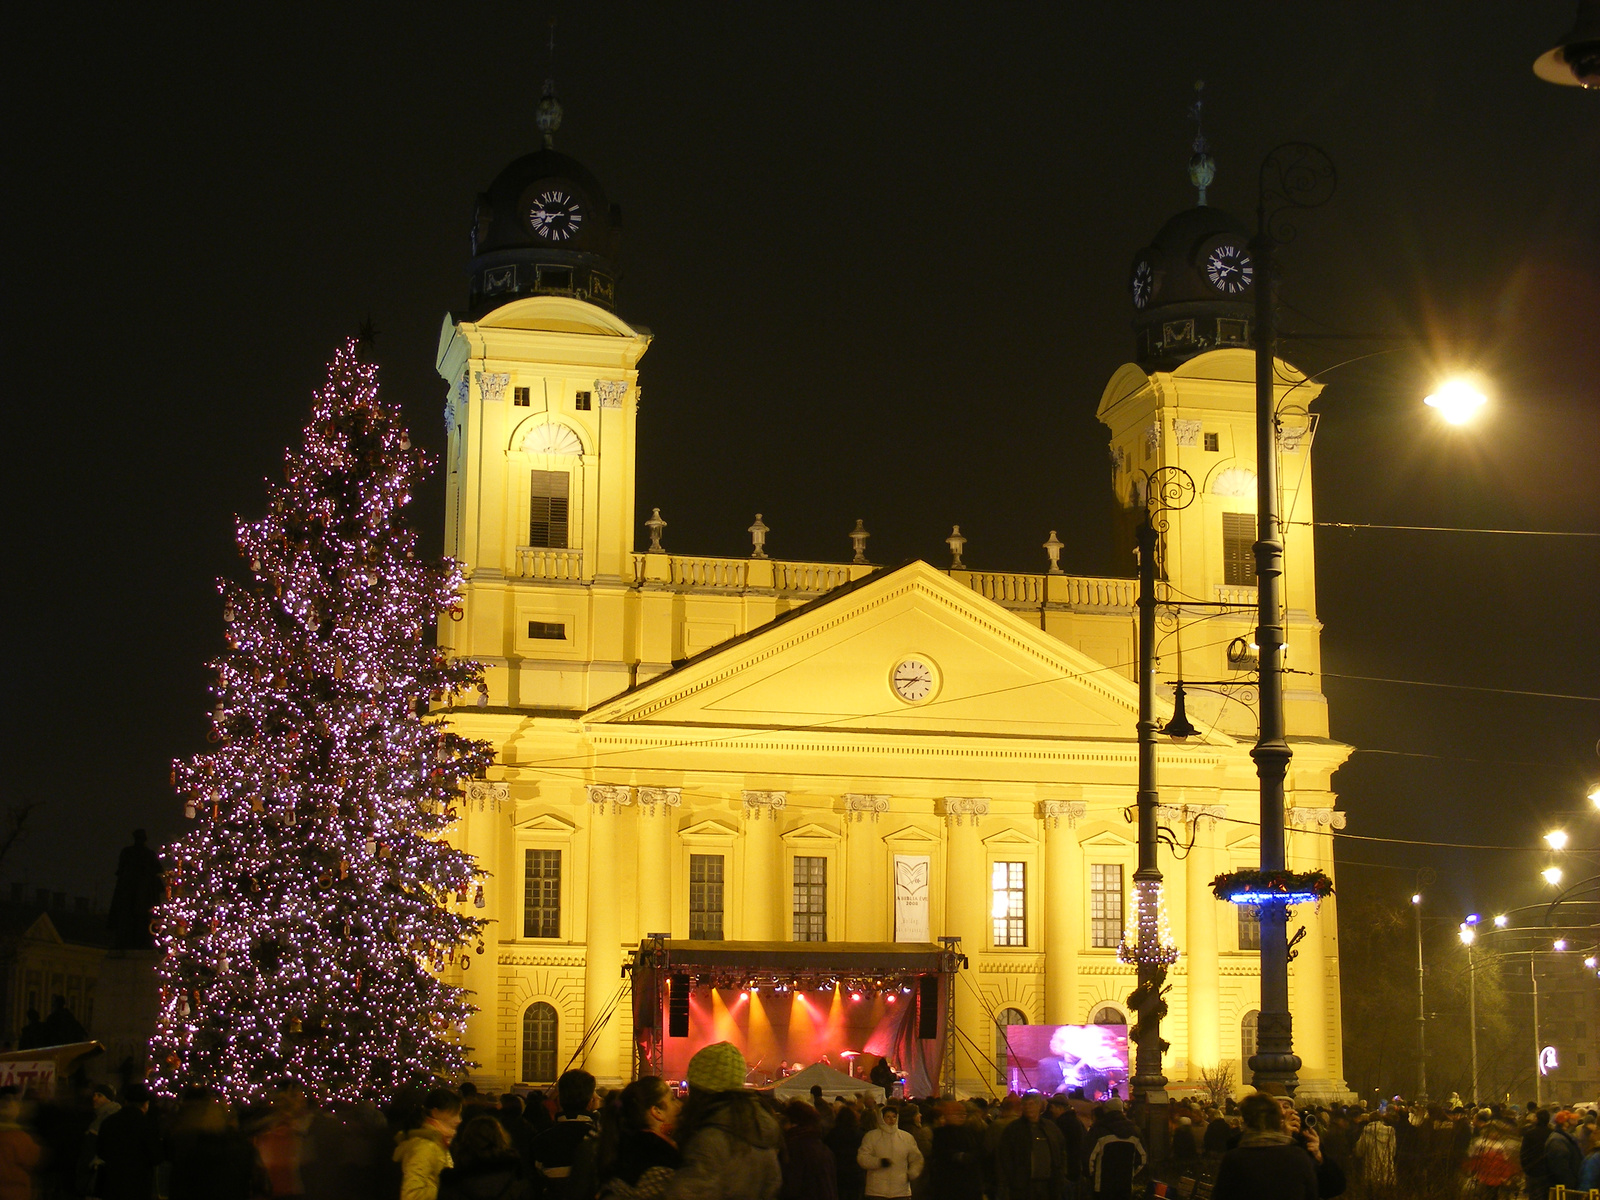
1228,268
1143,280
912,680
555,215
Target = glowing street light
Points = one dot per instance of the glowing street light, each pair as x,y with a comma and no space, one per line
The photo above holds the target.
1552,875
1591,962
1469,934
1501,921
1594,795
1559,944
1457,401
1557,838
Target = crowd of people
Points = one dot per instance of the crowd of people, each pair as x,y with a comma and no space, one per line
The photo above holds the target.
724,1141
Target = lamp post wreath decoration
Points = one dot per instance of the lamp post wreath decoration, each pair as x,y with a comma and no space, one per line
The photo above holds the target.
1251,887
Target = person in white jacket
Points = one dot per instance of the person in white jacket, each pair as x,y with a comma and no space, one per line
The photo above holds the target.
890,1156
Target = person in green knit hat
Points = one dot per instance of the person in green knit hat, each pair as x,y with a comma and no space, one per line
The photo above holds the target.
730,1140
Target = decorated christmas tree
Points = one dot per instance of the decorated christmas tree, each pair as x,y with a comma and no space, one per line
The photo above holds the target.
312,907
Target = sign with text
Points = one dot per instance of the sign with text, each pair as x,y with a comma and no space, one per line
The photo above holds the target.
911,873
36,1073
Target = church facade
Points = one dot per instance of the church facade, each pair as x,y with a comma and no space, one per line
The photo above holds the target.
756,751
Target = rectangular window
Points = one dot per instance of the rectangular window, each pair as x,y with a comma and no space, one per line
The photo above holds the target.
550,631
1212,442
519,397
1238,549
810,899
583,401
547,509
1249,928
1105,904
541,907
705,897
1009,903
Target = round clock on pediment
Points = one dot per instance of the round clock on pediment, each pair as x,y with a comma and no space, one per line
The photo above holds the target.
1228,268
1142,283
914,680
553,213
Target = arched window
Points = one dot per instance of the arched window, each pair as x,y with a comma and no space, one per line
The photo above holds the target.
1108,1014
1247,1036
1002,1059
539,1044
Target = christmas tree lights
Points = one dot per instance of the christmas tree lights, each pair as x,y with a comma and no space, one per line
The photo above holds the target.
314,905
1146,934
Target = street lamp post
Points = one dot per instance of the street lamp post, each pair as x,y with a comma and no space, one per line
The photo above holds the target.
1469,935
1538,1055
1422,1010
1293,176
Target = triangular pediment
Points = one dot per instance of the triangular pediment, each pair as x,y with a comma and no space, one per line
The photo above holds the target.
1010,837
830,666
811,831
1106,836
911,837
44,929
545,822
708,828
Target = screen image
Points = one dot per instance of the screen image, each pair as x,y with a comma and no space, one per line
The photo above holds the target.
1059,1058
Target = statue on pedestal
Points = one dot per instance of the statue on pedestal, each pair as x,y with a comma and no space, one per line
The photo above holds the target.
137,891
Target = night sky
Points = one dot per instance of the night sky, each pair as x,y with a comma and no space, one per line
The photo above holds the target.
884,251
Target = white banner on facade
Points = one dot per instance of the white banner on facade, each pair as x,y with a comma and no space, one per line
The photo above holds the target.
911,897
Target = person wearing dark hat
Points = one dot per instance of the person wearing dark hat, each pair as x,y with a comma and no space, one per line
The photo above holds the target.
1267,1161
730,1141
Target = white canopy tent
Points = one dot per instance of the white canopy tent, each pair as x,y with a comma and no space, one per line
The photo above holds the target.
834,1085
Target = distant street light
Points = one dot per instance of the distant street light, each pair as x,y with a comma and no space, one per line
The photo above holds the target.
1468,934
1501,921
1594,795
1552,875
1457,401
1557,838
1559,944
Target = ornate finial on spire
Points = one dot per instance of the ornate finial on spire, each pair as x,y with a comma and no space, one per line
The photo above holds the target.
1202,167
548,117
858,540
956,541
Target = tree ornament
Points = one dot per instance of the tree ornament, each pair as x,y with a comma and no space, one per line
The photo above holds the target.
477,897
228,615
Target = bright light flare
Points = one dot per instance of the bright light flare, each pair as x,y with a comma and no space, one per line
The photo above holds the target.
1468,934
1560,944
1557,839
1552,875
1416,898
1457,400
1501,921
1591,962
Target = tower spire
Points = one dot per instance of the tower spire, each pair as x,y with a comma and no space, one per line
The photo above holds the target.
548,117
1202,167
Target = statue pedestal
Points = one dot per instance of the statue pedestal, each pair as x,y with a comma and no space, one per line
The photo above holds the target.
125,1007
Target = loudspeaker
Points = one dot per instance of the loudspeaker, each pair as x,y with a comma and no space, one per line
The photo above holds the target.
678,1006
928,1007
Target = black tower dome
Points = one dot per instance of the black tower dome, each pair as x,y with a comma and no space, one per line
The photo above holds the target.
1193,286
544,228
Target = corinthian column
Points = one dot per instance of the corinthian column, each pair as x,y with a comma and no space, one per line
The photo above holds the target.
1205,1019
657,807
763,867
966,914
1063,908
602,960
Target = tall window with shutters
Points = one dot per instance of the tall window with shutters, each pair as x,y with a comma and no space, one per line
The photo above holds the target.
541,908
705,897
810,899
549,506
1249,927
1238,549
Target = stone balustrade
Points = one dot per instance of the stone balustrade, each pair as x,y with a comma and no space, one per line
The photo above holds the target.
539,562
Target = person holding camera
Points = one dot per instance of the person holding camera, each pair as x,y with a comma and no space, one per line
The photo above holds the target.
890,1156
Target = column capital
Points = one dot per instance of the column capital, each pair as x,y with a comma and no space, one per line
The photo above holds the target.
1171,812
953,808
857,803
1305,818
602,794
1052,811
649,797
770,802
485,795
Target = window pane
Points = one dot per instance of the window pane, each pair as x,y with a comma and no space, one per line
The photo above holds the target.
1249,928
1003,1019
705,897
539,1044
810,899
1105,904
1008,904
541,894
547,509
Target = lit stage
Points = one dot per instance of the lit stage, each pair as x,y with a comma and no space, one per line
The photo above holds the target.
794,1003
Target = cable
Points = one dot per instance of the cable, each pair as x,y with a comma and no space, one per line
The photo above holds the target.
1460,687
1445,529
1499,762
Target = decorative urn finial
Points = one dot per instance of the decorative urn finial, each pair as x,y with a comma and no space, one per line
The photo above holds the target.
1202,167
548,116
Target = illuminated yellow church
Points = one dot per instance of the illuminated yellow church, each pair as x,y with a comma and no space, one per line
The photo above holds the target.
832,758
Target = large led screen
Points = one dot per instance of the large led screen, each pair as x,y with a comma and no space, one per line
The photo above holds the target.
1062,1058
